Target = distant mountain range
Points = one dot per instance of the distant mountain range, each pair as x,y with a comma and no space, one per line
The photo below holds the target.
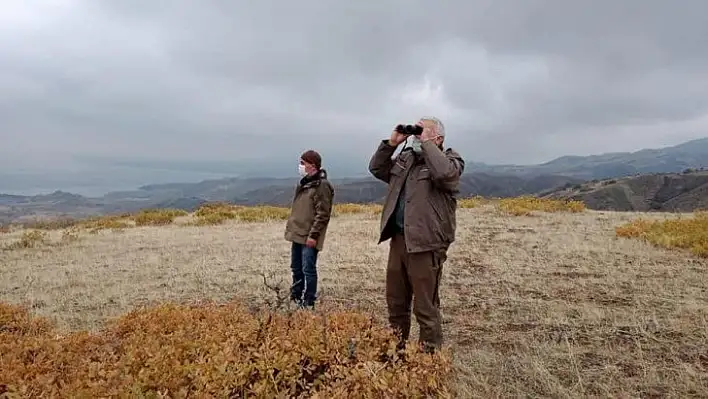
675,159
666,192
479,179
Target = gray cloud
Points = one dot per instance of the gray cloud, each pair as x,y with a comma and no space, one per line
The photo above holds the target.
193,81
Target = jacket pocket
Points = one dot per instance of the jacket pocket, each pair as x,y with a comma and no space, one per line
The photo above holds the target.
424,174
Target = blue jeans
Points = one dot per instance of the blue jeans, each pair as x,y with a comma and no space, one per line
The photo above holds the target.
303,263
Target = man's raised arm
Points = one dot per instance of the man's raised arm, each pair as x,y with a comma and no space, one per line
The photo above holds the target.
445,167
381,162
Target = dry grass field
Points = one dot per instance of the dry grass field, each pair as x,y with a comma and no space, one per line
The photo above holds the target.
542,304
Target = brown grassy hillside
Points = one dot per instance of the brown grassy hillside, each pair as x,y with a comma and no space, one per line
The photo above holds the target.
541,303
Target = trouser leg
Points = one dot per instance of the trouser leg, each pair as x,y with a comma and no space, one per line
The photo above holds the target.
297,271
424,271
398,288
309,265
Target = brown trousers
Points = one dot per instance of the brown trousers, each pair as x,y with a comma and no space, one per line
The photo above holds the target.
414,277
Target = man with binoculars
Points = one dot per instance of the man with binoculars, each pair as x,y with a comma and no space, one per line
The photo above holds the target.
419,219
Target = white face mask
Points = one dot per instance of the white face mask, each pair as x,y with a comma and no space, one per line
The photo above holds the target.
301,170
414,143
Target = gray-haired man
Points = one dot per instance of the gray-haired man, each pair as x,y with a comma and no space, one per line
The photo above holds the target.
419,218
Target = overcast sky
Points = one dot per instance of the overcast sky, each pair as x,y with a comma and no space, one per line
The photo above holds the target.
520,81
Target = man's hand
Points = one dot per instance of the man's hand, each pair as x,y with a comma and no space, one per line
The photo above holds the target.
311,242
397,138
428,132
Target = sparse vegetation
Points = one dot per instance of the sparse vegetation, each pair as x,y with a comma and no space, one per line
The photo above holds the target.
550,306
70,235
29,239
526,205
40,238
217,351
217,213
684,233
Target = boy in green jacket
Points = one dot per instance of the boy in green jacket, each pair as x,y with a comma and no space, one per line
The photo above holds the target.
307,226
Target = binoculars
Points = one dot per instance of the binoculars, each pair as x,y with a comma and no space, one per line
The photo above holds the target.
410,129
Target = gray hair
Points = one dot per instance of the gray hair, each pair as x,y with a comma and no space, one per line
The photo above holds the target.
439,127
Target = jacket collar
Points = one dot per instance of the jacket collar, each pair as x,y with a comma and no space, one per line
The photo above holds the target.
313,180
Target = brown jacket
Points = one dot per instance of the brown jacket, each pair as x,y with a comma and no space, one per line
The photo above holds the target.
311,210
432,181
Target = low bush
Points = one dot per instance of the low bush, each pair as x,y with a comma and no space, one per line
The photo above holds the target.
216,207
50,223
157,217
262,213
108,222
684,233
16,321
350,209
525,205
209,220
215,213
213,350
472,202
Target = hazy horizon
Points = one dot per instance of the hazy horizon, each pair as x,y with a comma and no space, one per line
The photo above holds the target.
132,175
